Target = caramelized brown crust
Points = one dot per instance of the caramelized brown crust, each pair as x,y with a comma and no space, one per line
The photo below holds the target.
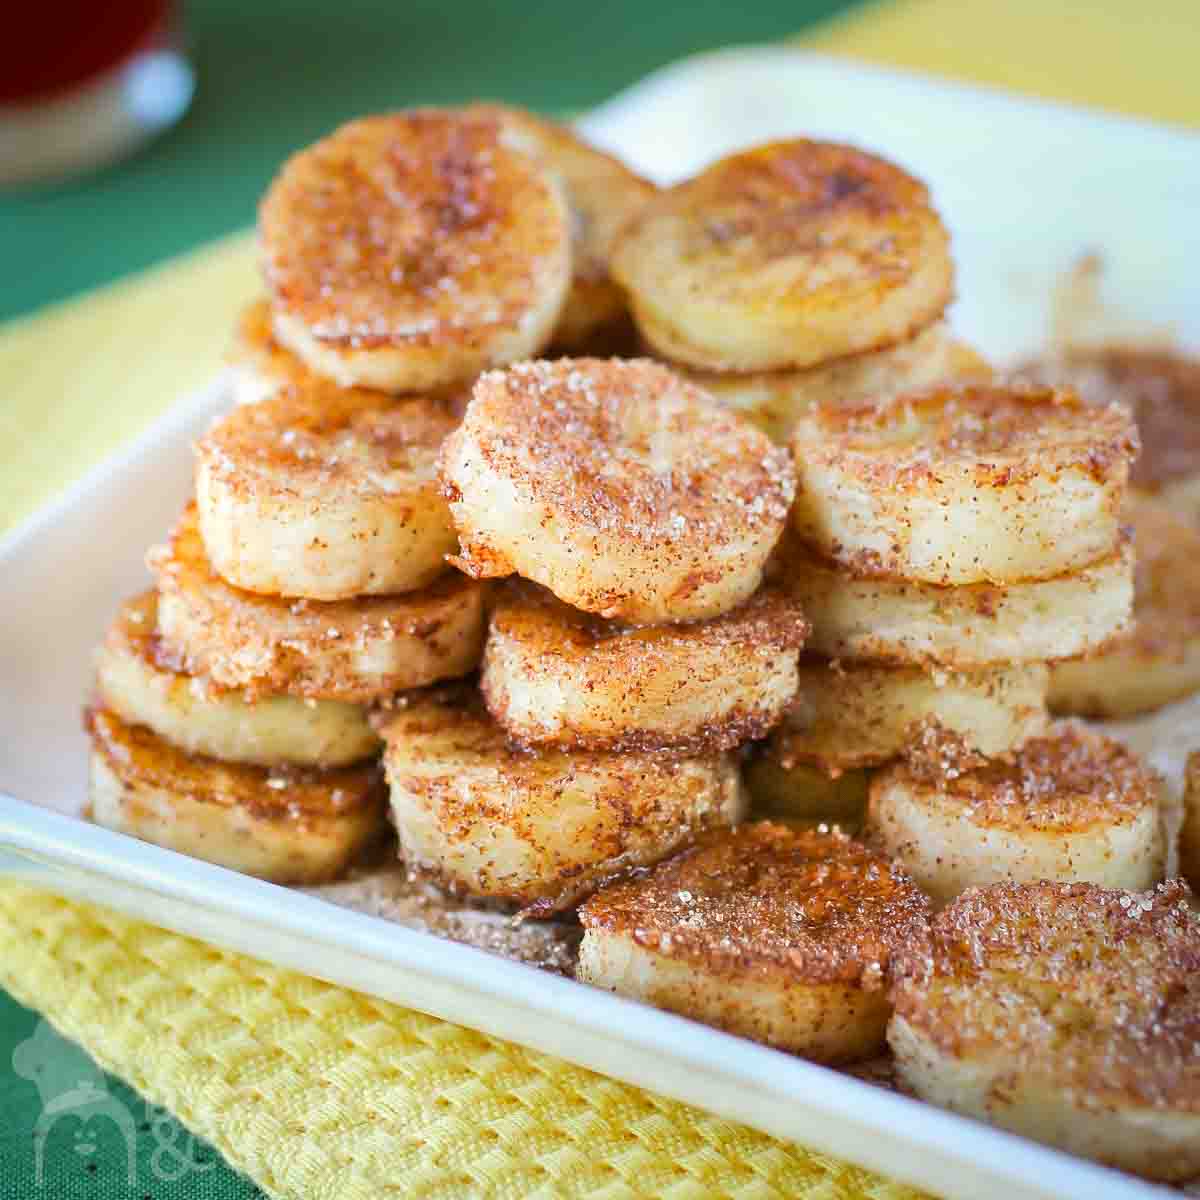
830,249
326,493
536,828
963,483
290,794
419,228
354,650
813,905
560,429
638,688
622,488
1068,780
1160,387
1096,991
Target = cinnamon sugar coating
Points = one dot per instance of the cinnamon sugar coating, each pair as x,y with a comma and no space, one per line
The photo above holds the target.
284,793
417,228
813,906
356,650
1067,780
785,255
1095,991
624,490
553,674
963,483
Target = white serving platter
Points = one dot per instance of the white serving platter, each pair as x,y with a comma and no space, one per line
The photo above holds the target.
1027,188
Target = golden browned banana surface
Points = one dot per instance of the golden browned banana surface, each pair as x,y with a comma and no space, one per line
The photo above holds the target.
1067,1013
884,619
537,829
326,493
141,680
414,249
785,256
624,490
850,715
1162,388
968,483
780,935
1189,835
287,825
357,650
602,194
555,675
775,400
790,789
1159,660
1072,805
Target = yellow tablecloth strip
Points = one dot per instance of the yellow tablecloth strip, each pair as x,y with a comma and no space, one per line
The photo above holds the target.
319,1093
81,378
1121,55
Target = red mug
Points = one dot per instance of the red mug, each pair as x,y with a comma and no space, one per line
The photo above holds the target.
83,82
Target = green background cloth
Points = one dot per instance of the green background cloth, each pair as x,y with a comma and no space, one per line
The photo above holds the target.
271,78
274,76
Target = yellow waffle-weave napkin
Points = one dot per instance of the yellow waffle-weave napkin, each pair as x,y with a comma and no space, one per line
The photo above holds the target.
319,1093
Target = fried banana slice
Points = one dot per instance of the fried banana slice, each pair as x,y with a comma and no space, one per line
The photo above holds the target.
414,249
358,651
326,493
537,829
1067,1013
1159,660
961,484
785,256
1072,805
624,490
141,681
776,400
881,619
602,195
554,675
850,715
780,935
286,825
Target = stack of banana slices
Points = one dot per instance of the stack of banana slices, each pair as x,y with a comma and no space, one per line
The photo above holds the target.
451,569
795,272
946,545
307,585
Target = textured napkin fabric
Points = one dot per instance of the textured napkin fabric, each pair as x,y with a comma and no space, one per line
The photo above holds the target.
316,1091
320,1093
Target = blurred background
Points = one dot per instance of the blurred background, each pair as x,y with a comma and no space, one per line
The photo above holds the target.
273,75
